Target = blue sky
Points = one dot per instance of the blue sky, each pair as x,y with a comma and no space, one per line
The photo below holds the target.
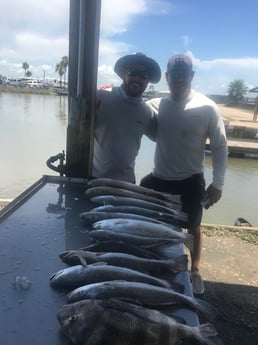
220,36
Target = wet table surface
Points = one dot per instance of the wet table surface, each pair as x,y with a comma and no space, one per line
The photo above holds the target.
34,231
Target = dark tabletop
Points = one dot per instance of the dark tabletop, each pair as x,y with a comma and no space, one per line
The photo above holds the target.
34,231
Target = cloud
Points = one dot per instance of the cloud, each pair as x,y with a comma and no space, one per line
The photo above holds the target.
37,31
215,75
186,40
32,31
117,16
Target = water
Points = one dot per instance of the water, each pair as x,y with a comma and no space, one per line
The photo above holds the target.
33,128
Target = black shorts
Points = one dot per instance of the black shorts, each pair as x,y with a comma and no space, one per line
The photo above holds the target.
191,190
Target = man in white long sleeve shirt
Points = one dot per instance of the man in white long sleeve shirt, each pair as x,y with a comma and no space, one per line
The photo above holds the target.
123,118
186,119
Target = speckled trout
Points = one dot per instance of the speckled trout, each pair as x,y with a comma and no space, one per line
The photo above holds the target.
108,182
94,216
146,294
75,276
144,229
102,190
83,257
166,217
131,201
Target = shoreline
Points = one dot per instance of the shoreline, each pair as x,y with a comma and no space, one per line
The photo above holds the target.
28,90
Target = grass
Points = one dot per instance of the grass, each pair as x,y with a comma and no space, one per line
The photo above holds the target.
250,236
26,90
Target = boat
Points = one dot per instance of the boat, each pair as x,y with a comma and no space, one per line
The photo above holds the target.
45,220
241,222
61,92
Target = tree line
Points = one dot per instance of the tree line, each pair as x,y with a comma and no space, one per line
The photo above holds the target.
61,69
237,89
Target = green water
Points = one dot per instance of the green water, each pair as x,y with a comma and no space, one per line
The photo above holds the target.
33,128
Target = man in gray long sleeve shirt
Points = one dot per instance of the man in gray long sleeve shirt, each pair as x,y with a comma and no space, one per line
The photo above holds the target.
186,119
123,118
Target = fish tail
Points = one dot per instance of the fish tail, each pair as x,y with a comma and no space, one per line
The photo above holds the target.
205,308
180,263
208,334
64,254
188,241
173,198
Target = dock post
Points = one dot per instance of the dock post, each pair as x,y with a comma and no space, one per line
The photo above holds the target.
83,65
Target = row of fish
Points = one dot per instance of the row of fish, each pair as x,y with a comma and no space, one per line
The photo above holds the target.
120,288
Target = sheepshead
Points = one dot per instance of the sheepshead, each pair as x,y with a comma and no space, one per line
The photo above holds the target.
146,294
122,246
130,201
115,322
77,257
104,235
102,190
108,182
93,216
144,229
75,276
161,216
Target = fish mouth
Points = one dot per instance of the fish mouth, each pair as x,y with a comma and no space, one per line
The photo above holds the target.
63,254
54,276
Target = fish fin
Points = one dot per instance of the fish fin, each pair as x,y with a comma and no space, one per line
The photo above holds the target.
100,263
82,260
72,255
129,300
160,243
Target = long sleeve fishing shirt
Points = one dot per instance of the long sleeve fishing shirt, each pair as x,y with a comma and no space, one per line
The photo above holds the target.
120,124
183,129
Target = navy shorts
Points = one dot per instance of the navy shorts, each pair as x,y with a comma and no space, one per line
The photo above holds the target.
191,190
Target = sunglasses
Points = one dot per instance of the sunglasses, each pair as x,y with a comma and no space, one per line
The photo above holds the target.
180,74
132,72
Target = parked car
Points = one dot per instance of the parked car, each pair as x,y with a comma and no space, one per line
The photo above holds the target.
16,82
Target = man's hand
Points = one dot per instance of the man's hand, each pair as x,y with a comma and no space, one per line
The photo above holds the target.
212,195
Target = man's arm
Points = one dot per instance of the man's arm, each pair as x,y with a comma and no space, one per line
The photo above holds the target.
219,151
151,131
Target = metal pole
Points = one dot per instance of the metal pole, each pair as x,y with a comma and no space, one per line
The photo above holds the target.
83,66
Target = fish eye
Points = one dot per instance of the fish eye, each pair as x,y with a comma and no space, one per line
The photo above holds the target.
73,318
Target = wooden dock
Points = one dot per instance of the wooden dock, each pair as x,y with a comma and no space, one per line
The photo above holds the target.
240,148
241,130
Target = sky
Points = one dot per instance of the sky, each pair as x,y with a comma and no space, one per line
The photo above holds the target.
219,36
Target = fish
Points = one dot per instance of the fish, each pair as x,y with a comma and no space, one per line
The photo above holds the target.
102,190
130,201
116,322
104,235
77,257
146,294
78,275
108,182
144,229
162,216
125,247
93,216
